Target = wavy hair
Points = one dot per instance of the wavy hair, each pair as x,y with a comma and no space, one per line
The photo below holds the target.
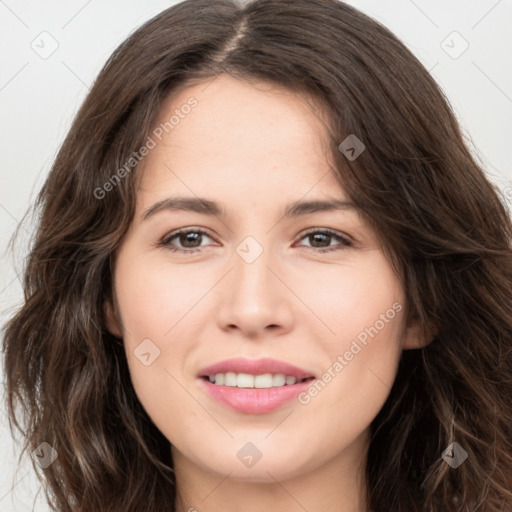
443,225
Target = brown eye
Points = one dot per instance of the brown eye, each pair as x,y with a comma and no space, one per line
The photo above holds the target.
321,239
190,240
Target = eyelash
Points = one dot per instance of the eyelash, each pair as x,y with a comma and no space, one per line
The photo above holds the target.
166,240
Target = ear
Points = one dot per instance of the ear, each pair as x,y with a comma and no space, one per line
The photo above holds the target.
417,334
113,324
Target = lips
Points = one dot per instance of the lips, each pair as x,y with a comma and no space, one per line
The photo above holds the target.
250,400
255,367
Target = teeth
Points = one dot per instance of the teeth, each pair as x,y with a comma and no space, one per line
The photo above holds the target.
229,379
263,381
279,379
246,380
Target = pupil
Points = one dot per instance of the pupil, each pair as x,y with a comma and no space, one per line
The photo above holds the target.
190,237
317,237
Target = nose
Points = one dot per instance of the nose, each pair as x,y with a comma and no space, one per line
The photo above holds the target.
256,300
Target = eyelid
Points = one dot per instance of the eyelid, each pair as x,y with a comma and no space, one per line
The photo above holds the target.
190,229
344,241
328,231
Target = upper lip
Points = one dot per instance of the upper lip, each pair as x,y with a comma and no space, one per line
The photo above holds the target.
255,367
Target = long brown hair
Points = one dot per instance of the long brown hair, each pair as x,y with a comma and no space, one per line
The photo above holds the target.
441,221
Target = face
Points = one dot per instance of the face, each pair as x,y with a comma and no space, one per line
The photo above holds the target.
287,291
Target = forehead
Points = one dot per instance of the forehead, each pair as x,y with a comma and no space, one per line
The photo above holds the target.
240,138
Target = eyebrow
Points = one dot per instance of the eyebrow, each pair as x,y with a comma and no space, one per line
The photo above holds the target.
209,207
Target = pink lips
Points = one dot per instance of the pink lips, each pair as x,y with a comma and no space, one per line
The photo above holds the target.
254,401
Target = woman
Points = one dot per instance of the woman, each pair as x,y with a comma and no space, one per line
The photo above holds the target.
269,368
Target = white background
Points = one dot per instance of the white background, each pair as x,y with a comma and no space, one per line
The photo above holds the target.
39,97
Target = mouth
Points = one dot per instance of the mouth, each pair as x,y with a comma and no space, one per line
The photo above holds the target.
254,386
254,373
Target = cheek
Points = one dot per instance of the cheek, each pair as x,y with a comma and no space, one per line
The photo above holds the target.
363,367
157,300
351,297
157,308
348,395
364,310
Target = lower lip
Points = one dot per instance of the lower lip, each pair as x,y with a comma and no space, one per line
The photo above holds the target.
254,401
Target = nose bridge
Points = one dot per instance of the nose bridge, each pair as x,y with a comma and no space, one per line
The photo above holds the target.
252,276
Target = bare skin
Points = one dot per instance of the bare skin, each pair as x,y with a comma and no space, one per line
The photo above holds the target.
254,150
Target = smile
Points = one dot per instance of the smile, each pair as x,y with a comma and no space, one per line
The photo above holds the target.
246,380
